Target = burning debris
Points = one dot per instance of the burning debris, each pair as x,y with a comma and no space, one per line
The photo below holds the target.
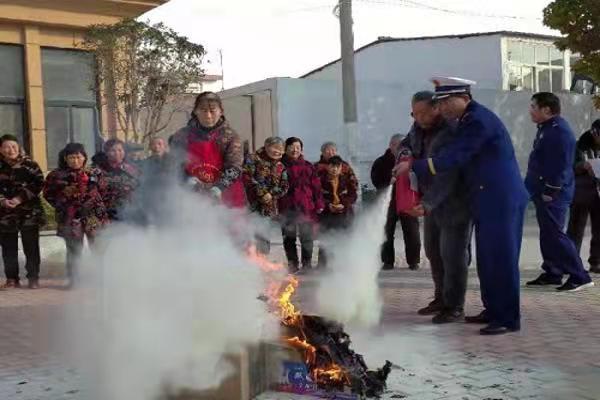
332,365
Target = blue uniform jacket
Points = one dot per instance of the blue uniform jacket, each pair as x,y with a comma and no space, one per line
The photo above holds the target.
485,152
550,169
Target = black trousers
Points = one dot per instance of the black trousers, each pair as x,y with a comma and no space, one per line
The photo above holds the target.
30,238
331,223
580,210
292,229
410,232
263,244
74,247
448,249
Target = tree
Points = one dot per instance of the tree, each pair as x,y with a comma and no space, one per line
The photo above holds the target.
579,22
141,68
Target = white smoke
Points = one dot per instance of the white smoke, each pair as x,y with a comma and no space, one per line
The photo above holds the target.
171,302
349,293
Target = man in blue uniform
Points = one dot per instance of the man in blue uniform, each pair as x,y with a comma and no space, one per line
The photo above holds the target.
550,181
497,198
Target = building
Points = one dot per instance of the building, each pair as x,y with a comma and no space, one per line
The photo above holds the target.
45,94
496,60
508,67
207,83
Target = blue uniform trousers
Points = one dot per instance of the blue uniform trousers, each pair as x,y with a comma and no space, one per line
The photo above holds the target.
558,250
498,237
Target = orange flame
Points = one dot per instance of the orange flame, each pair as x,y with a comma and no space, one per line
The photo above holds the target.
287,310
282,300
262,261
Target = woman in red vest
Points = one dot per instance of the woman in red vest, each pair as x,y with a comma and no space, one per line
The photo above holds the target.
211,152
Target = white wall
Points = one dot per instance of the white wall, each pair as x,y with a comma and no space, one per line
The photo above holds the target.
312,110
478,58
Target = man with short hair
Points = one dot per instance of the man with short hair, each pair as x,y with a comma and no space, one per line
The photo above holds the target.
497,198
158,173
447,218
550,182
381,176
158,146
586,201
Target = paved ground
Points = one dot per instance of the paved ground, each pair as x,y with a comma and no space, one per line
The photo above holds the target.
555,356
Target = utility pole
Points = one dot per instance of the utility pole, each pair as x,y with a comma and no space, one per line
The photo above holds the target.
222,70
348,76
348,81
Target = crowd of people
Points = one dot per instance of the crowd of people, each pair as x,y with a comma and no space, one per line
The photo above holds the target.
460,152
463,159
206,156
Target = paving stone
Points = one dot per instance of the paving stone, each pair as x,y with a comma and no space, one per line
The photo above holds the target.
555,356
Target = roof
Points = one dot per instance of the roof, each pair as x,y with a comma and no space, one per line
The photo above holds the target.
384,39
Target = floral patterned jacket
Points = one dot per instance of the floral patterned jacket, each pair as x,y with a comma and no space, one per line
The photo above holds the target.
24,179
263,175
77,196
121,183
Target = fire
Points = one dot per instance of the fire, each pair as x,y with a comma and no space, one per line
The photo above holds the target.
287,310
262,262
333,374
279,295
310,352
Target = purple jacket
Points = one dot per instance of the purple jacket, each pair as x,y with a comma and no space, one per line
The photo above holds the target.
304,195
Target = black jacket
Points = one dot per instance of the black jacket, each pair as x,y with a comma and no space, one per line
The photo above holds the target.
586,185
381,171
445,196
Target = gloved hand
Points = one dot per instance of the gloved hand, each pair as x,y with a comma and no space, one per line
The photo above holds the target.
193,182
215,193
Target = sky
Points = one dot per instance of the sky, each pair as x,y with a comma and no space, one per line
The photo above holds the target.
261,39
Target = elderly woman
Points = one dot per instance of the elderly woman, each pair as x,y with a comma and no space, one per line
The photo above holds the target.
21,181
122,178
300,206
346,175
76,192
328,150
211,152
266,181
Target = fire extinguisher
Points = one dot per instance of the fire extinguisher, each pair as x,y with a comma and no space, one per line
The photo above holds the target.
407,190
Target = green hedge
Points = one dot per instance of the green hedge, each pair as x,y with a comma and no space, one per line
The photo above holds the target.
50,216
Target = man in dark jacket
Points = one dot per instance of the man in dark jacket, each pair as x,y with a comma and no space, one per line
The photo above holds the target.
587,195
158,174
381,176
448,223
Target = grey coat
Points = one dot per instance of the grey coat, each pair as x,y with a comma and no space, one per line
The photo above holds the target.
445,195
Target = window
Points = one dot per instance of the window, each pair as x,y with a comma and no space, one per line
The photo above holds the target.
528,54
534,66
71,114
544,81
556,57
12,92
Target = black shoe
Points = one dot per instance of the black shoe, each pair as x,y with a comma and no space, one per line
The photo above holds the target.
448,316
494,329
387,267
595,269
33,283
12,284
433,308
414,267
544,280
574,287
293,268
480,318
